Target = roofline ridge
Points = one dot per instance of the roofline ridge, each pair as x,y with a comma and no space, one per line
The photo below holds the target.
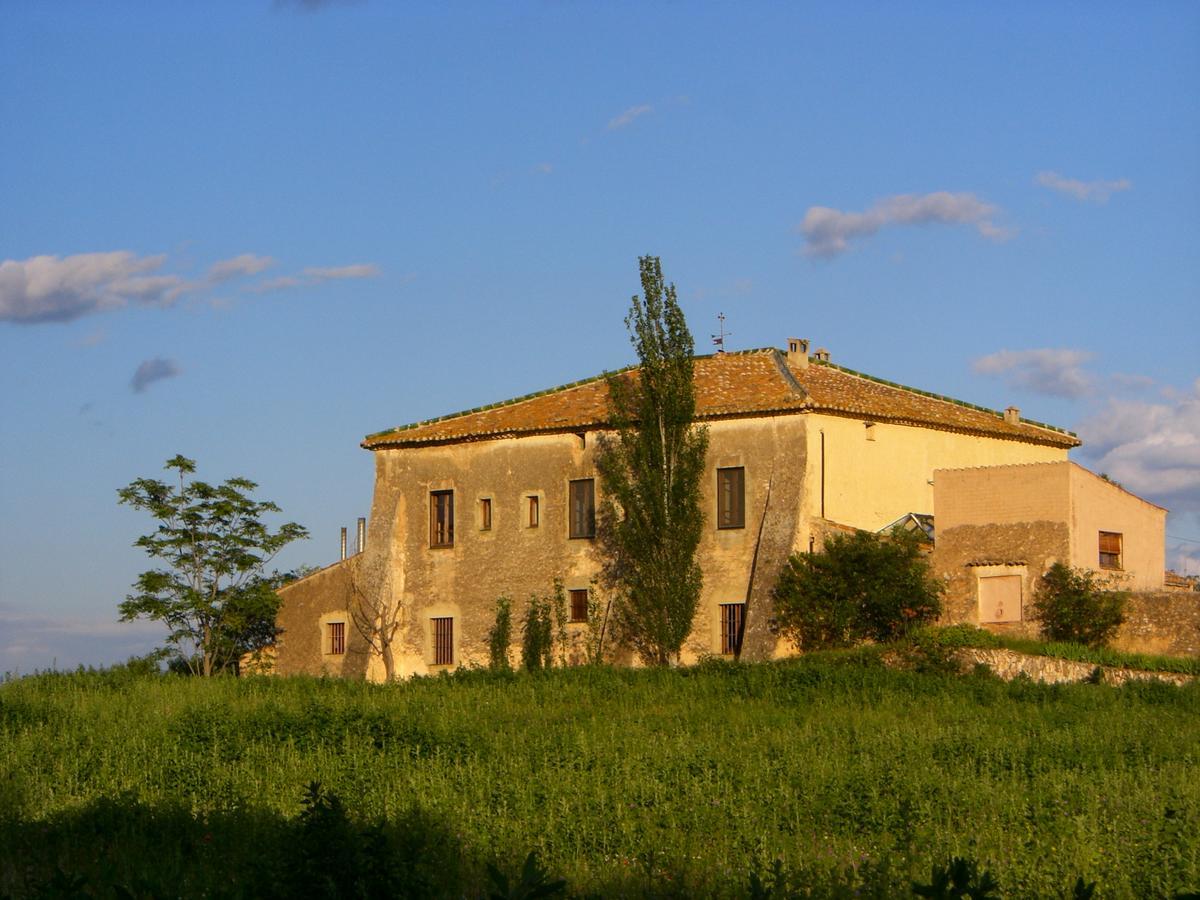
499,404
942,397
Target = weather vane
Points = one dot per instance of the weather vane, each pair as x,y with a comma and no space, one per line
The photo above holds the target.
719,339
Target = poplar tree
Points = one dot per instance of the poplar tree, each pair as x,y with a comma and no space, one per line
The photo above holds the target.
650,468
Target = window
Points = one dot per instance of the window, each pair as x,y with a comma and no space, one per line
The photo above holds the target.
441,519
1110,550
337,638
583,508
731,627
731,498
443,641
579,605
485,514
533,510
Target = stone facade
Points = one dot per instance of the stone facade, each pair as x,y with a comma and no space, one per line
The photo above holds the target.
820,448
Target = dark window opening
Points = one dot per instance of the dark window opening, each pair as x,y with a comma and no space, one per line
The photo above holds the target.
534,513
731,498
583,508
1110,550
443,641
731,628
579,605
337,637
441,519
485,514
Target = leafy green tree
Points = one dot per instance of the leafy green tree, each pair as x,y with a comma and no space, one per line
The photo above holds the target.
211,591
860,586
650,471
1078,606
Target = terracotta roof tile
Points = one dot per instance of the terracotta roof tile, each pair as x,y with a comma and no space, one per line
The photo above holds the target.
753,382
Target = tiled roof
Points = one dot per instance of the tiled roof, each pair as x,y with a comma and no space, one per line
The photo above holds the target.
728,385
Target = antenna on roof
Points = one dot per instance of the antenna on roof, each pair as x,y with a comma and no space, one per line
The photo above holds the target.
719,339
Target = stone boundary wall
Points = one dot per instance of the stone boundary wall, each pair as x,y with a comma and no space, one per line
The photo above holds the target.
1008,664
1163,622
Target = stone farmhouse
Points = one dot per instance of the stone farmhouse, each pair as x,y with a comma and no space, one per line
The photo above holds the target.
500,501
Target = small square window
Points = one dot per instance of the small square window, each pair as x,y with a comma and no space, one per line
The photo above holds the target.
441,519
1110,550
579,605
534,511
731,628
731,498
337,638
485,514
443,641
583,508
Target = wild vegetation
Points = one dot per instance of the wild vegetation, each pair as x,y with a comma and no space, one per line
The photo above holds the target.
828,775
860,586
212,589
650,517
1078,606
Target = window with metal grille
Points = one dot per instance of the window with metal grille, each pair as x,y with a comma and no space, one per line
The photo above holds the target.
441,519
337,637
583,508
534,516
731,627
1110,550
485,514
731,498
443,641
579,605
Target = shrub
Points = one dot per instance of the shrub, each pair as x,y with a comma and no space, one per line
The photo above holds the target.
500,637
1078,606
861,586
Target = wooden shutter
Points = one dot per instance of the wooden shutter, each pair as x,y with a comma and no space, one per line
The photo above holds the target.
583,508
579,605
443,641
731,627
337,637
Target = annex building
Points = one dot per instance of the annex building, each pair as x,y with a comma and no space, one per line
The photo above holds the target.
501,501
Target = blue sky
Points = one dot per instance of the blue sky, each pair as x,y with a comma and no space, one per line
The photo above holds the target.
252,233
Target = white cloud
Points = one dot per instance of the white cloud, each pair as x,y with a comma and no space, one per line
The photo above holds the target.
152,370
1058,372
828,231
1152,448
1083,191
627,118
54,289
238,266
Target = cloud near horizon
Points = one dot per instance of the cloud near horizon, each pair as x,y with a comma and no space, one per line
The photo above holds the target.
152,370
1152,448
1083,191
1055,371
627,118
828,232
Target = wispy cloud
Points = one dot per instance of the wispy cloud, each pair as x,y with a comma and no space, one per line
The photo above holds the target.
152,370
1055,371
544,168
238,266
1151,447
828,232
627,118
60,289
315,275
1098,191
30,641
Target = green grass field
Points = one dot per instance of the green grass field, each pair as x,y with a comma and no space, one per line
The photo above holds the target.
664,783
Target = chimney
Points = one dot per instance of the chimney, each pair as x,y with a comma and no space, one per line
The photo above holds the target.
362,535
797,352
1012,416
343,542
822,354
